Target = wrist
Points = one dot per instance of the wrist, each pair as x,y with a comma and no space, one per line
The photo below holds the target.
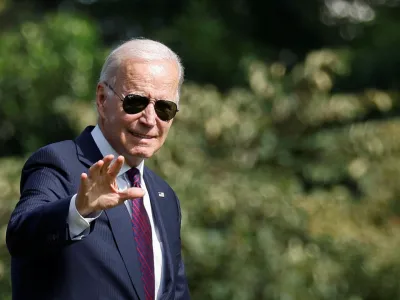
82,209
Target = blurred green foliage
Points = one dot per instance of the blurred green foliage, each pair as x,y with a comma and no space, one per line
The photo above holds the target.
44,66
287,173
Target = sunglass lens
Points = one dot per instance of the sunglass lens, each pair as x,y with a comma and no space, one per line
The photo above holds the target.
165,110
134,104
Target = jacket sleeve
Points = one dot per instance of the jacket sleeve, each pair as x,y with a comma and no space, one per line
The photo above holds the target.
181,287
39,221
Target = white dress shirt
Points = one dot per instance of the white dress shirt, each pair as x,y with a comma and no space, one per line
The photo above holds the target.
78,225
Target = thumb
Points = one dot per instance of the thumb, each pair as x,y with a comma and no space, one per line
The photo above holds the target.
131,193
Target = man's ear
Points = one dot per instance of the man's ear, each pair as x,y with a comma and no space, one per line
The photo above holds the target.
101,97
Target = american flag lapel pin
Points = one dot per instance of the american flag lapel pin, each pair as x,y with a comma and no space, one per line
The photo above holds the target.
161,194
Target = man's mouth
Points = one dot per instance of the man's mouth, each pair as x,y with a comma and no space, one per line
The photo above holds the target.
141,136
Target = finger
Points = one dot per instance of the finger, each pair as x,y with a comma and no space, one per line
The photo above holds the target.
83,184
107,161
80,200
95,169
114,169
131,193
82,188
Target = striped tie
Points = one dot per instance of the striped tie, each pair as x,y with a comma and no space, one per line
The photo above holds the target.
143,237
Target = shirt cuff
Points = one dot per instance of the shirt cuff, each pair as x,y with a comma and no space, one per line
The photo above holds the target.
78,224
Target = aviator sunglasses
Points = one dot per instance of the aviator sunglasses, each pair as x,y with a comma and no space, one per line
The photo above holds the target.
133,104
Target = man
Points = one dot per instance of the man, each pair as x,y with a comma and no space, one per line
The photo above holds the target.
92,221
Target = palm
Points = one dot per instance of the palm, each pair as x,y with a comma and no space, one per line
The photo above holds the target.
103,193
99,190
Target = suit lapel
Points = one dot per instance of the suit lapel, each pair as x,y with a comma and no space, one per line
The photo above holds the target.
120,222
87,150
151,186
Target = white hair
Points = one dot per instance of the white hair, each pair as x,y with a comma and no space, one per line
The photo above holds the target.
142,49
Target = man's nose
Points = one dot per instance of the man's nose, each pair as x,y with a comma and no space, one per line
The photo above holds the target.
149,115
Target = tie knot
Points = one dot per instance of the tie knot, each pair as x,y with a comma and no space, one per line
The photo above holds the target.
134,177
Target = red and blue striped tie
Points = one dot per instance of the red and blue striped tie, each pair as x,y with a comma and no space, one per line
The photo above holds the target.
143,237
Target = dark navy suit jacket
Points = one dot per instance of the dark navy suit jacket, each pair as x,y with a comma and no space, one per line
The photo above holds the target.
47,264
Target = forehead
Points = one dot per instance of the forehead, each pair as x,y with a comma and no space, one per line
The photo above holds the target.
155,78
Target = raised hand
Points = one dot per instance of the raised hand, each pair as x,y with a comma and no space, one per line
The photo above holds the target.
98,189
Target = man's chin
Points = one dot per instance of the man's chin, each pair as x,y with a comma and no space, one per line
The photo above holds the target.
142,153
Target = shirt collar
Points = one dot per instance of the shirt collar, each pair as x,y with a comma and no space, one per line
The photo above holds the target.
106,149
